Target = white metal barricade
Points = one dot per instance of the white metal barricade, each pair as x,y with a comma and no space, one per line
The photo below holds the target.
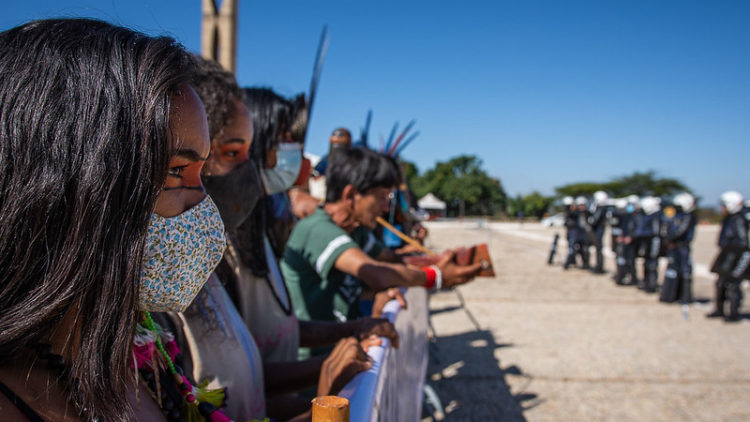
392,389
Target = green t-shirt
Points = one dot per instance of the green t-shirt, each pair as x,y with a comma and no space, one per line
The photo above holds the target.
317,289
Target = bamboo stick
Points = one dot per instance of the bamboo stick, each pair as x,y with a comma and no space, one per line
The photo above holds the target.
404,237
330,409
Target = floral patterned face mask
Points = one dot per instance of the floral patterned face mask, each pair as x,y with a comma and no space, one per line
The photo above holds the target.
180,254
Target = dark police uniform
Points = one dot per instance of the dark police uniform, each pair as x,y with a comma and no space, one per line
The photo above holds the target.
598,222
734,229
577,238
624,226
649,244
678,278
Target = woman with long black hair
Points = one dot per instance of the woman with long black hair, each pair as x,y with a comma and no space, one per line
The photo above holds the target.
101,145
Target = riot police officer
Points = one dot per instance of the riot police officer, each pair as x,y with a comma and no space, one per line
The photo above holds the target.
624,221
575,222
679,233
598,221
734,229
648,242
571,226
584,233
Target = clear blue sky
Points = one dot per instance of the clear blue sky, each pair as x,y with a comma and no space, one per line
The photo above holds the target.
544,92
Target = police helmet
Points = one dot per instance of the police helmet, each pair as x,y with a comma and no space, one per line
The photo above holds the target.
650,204
732,200
685,201
600,197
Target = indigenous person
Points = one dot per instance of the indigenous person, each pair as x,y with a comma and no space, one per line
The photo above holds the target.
734,230
101,144
262,295
218,342
279,159
330,251
340,140
678,278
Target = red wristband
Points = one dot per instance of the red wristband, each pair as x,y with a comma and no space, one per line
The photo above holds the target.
431,277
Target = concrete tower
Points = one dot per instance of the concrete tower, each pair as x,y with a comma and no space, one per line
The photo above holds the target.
219,32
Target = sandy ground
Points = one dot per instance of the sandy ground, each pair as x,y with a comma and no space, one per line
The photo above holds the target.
539,343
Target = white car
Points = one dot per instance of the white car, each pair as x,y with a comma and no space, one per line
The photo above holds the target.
557,220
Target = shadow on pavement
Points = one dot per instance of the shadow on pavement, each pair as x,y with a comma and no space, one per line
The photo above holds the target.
470,381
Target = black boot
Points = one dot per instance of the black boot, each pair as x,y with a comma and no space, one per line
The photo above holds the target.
620,271
720,297
735,300
717,313
686,290
585,257
571,259
599,260
651,283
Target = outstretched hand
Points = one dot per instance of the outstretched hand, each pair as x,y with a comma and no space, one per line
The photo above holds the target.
454,274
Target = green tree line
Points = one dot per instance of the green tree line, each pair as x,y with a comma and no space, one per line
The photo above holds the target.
461,182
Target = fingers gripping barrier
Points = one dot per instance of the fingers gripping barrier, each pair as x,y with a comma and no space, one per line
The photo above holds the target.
391,390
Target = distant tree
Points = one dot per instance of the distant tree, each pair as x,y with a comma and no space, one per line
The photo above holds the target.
638,183
578,189
536,204
410,170
533,205
461,182
513,205
647,183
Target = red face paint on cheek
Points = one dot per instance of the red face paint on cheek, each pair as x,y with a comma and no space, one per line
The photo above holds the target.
184,174
192,175
234,153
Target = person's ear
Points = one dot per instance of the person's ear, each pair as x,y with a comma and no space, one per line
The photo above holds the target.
348,195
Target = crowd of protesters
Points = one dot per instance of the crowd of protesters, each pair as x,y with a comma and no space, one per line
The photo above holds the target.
162,256
651,227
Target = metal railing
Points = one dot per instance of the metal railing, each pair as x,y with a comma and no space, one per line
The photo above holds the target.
392,388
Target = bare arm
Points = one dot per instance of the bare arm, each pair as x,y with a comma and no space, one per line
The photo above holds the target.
376,274
382,275
389,255
322,333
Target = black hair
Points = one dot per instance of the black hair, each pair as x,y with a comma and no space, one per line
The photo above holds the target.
272,115
361,167
341,131
84,123
217,89
298,128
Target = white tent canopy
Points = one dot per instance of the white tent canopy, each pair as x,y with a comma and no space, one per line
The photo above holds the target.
431,202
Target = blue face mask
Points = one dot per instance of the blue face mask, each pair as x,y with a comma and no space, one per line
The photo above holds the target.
288,164
630,208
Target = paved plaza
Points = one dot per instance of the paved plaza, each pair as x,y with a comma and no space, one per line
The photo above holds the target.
538,343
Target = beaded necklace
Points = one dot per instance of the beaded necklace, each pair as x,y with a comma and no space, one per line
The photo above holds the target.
195,403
